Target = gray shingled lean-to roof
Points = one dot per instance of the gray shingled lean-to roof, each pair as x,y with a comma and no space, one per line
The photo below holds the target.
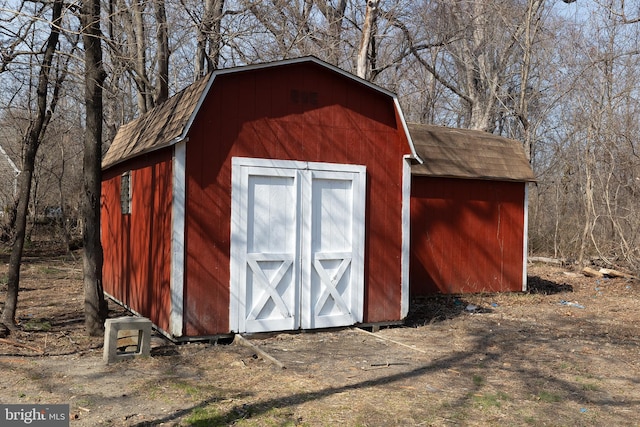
465,153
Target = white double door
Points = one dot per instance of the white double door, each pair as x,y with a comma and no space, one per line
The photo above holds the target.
297,245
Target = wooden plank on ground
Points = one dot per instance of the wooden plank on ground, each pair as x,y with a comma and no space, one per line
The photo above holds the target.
17,344
392,341
545,260
590,272
615,273
239,339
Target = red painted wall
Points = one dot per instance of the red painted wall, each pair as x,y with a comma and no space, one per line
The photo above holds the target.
137,246
295,112
466,236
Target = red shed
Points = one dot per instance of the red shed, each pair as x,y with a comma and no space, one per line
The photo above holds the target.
468,212
261,198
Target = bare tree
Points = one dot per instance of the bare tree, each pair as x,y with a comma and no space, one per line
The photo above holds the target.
94,303
335,17
209,36
136,33
162,41
479,44
585,206
367,35
276,30
59,177
32,140
609,221
130,44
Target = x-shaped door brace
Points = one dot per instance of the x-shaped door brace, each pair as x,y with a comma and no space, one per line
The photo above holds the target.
330,283
269,286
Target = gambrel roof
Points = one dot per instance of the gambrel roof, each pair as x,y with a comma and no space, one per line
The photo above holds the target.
169,122
471,154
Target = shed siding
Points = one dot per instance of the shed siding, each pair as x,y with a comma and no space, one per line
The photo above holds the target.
137,246
298,112
466,236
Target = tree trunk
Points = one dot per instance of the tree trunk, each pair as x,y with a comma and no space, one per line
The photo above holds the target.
334,16
162,39
145,99
32,140
208,34
94,303
367,34
63,224
215,39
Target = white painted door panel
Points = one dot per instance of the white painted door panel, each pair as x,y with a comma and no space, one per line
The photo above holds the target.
334,250
297,245
268,293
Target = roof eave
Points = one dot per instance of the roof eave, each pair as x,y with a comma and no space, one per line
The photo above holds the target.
475,177
157,147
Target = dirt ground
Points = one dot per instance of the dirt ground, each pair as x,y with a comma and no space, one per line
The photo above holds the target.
567,353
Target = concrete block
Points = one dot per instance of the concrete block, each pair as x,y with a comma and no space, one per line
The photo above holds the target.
126,337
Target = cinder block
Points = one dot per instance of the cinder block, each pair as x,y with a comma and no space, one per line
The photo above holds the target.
122,333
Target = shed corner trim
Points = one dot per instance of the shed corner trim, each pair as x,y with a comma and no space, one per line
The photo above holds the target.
406,235
525,237
177,239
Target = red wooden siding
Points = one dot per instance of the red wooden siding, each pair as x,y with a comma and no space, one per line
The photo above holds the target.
137,247
466,236
297,112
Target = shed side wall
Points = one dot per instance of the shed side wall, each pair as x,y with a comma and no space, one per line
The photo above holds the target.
137,246
299,112
466,236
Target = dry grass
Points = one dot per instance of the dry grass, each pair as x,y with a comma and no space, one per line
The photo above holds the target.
520,359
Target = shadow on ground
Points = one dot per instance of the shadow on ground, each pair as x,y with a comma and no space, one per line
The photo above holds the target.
439,307
538,285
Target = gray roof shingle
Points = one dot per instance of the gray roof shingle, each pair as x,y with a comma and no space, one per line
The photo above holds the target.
157,128
465,153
